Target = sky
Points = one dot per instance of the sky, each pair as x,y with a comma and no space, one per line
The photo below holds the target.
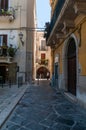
43,12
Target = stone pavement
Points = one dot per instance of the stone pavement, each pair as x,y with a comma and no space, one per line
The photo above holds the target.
41,108
9,98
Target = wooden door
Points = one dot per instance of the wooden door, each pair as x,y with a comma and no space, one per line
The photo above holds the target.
71,58
72,75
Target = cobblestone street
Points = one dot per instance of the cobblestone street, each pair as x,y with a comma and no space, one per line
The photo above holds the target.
41,108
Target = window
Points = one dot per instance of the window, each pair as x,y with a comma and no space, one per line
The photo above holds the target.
43,56
3,44
3,40
4,4
43,45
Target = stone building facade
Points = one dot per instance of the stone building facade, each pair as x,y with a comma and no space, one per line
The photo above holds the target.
42,58
66,35
17,20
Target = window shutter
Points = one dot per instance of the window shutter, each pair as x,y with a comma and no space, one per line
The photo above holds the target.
2,4
5,40
42,58
6,4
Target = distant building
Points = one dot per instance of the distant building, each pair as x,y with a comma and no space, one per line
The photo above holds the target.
42,59
66,35
17,20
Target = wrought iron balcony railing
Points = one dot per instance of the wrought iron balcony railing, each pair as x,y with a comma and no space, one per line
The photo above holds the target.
56,13
43,48
7,51
43,61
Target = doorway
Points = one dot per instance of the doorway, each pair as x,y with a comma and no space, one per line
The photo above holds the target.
42,73
71,66
3,73
56,74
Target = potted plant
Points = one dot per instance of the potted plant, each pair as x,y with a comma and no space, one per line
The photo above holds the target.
11,50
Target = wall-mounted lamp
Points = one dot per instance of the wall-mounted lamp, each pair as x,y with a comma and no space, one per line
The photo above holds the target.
21,37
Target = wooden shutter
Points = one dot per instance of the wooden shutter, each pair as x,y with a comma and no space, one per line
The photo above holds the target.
5,40
43,58
4,4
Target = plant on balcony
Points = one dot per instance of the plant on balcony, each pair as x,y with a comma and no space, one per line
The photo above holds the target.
46,62
2,12
9,12
11,51
43,62
4,46
47,25
6,12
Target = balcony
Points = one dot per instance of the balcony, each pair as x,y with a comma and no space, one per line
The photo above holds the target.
7,14
45,48
43,61
6,51
63,20
56,13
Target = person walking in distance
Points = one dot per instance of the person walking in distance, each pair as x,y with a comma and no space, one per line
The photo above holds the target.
48,74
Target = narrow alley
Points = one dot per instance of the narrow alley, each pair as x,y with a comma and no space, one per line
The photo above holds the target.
42,108
43,65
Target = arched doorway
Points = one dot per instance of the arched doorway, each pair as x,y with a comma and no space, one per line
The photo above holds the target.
71,66
42,73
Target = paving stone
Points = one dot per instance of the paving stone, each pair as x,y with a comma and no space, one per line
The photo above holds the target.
11,126
23,129
47,123
65,121
79,126
41,108
44,113
17,120
60,127
35,126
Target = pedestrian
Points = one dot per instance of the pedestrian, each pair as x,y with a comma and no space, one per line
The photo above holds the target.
48,75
